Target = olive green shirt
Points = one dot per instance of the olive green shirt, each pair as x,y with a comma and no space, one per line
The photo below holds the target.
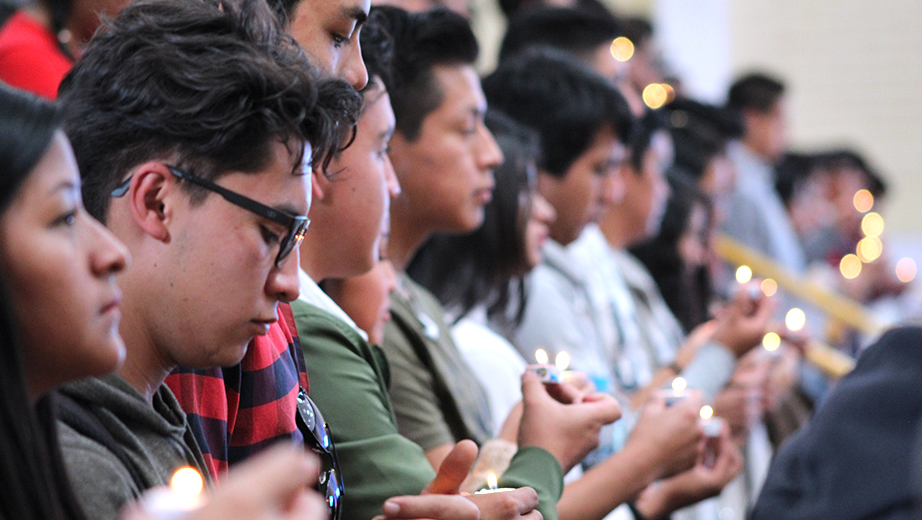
438,399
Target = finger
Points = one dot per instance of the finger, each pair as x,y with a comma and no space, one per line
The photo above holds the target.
533,390
454,469
438,507
564,393
507,504
307,505
604,406
277,474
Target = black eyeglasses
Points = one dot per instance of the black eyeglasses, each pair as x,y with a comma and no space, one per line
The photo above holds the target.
297,225
317,435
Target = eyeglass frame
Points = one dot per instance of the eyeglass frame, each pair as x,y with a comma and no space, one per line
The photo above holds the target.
297,225
313,427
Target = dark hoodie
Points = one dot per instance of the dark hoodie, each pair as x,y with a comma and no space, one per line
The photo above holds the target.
853,459
152,442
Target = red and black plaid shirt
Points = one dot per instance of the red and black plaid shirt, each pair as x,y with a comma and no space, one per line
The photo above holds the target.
237,411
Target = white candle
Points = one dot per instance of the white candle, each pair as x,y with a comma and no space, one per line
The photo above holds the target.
491,486
179,500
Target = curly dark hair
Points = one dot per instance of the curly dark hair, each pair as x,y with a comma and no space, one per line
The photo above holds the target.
207,84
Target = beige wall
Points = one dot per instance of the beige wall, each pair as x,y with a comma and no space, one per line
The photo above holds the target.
854,70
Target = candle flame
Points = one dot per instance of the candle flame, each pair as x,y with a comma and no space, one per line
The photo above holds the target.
795,319
771,341
541,356
707,412
491,480
679,384
743,274
187,482
562,361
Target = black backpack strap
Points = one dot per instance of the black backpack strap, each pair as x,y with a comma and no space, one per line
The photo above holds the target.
86,423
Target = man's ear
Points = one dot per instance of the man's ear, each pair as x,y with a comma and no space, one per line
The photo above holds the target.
320,185
149,204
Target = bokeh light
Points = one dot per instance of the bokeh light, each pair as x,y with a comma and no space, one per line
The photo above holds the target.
541,356
771,341
655,95
562,361
863,201
872,224
622,49
743,274
906,270
795,319
869,249
670,92
850,266
706,412
187,481
769,287
679,384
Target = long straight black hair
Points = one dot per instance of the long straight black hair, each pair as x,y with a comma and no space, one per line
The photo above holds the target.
33,482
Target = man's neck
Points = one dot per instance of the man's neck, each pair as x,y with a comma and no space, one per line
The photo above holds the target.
145,367
615,230
405,239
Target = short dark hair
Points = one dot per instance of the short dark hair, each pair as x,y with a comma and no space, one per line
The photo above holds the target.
850,158
422,41
485,267
645,127
638,30
755,91
573,30
791,172
208,86
564,101
699,133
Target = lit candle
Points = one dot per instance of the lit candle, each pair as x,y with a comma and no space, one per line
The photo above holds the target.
677,393
771,342
179,500
711,426
491,486
546,372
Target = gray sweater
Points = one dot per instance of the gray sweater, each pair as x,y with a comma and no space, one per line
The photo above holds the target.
156,440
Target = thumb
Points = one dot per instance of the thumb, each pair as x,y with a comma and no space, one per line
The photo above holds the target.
533,390
454,469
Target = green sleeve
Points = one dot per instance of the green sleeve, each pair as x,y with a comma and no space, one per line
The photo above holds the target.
536,468
348,383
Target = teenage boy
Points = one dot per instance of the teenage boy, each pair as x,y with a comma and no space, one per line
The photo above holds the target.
349,382
444,156
211,217
237,411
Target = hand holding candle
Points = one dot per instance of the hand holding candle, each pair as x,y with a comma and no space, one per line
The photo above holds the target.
179,500
712,427
677,393
491,486
548,373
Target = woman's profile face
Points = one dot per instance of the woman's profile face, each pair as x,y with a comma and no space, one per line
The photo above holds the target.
60,264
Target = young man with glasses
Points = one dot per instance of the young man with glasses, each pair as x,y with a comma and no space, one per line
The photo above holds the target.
239,410
210,202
